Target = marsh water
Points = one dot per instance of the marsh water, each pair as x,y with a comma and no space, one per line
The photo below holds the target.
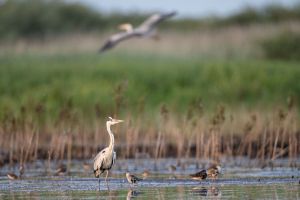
239,180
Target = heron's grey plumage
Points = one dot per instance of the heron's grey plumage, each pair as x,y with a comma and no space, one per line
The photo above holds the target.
145,29
105,159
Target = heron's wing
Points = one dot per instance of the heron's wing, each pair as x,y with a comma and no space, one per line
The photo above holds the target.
153,20
116,38
99,158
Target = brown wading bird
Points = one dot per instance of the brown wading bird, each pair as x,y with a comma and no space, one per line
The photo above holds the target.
211,172
132,179
105,159
146,29
145,174
199,175
61,170
86,166
172,169
12,176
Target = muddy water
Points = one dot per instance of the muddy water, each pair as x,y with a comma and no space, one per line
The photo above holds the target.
236,182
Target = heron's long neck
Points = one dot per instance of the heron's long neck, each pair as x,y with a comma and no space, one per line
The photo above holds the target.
112,138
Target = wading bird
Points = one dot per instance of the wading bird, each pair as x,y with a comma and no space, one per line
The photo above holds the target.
145,173
61,170
12,176
211,172
172,169
86,166
105,159
199,175
132,179
146,29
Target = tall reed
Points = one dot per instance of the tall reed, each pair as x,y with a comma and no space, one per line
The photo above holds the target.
265,136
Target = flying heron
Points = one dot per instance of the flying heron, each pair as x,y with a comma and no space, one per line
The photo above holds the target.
144,30
105,159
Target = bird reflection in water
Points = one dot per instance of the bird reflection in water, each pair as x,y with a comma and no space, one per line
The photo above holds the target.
132,194
210,191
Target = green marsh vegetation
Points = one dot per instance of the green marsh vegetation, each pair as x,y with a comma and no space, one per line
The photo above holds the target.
216,103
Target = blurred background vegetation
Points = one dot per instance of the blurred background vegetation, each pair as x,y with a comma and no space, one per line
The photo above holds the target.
43,18
48,57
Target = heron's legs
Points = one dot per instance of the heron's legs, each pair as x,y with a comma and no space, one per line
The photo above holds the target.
99,182
106,179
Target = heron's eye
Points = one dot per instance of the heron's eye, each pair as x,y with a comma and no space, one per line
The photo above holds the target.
110,118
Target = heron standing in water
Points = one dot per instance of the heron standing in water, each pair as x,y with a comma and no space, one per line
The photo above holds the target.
105,159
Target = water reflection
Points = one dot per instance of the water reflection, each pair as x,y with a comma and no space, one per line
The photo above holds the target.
132,194
207,191
81,190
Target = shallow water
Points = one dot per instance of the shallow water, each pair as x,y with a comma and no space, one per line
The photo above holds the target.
234,183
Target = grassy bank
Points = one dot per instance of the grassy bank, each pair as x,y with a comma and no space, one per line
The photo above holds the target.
87,81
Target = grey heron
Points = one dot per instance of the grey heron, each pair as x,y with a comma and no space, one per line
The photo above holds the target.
144,30
105,159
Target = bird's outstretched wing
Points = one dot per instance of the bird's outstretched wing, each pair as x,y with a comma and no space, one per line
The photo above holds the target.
144,29
154,20
116,38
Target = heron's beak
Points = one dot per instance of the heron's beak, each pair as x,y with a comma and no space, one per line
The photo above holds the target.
118,121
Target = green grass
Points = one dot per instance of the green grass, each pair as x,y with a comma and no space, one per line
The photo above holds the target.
87,80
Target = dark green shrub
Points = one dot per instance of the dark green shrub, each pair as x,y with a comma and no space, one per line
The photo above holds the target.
31,18
285,46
